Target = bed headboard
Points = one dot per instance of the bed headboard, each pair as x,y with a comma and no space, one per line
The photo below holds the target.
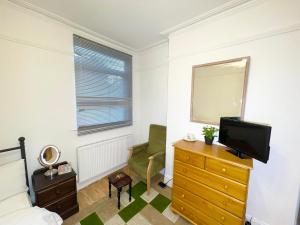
23,154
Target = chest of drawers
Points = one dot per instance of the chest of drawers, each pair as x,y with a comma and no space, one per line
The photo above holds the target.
57,195
210,184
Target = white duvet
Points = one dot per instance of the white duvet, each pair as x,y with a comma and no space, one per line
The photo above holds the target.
31,216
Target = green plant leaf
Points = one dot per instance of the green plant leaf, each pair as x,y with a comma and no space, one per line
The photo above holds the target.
209,132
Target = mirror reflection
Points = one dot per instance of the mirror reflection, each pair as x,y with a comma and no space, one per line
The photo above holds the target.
218,90
49,155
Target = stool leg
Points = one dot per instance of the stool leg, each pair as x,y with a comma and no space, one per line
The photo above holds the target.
109,187
119,193
130,192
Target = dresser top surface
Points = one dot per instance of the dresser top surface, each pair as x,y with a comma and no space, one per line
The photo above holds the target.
214,151
41,182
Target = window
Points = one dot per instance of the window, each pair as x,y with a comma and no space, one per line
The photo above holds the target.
103,86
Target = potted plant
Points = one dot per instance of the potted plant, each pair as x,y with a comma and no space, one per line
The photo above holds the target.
209,134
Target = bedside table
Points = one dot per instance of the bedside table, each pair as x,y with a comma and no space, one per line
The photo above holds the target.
57,195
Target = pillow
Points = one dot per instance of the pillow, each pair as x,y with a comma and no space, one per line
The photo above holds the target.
12,179
8,157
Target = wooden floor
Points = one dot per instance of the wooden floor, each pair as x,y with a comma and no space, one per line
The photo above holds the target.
91,196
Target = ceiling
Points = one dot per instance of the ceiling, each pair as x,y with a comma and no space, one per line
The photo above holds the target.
134,23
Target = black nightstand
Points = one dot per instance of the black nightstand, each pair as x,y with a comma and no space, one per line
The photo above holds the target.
57,195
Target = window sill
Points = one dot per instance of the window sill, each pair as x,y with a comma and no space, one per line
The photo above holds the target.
96,129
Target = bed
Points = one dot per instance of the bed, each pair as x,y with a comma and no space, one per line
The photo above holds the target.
15,202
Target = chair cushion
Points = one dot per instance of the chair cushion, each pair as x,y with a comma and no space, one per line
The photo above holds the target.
139,164
157,139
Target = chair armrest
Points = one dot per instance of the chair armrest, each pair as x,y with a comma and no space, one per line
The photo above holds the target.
150,164
137,148
156,155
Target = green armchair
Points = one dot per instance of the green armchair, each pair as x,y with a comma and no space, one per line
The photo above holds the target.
148,159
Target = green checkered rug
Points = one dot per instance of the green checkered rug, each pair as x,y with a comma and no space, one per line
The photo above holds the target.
142,210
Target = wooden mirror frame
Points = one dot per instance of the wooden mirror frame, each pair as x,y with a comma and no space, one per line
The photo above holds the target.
243,98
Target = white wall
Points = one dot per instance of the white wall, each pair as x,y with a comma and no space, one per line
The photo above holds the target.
153,83
269,32
37,85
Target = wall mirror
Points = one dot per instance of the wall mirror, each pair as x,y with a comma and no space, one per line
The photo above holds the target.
49,155
219,90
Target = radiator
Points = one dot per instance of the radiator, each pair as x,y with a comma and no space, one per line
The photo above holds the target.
101,157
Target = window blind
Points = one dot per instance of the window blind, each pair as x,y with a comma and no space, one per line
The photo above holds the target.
103,86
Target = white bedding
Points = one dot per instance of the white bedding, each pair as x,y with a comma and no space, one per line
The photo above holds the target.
17,210
31,216
16,202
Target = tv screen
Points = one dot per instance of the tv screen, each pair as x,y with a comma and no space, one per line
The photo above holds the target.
247,138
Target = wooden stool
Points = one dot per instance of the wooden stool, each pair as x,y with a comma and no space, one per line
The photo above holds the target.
119,180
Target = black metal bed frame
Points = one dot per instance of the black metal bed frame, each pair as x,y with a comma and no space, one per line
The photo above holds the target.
23,155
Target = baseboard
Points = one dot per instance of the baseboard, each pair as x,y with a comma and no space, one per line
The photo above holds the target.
92,180
169,180
254,220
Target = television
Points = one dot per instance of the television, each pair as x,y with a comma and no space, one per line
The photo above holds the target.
245,138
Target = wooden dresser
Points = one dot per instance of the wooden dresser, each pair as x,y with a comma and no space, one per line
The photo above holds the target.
57,195
210,184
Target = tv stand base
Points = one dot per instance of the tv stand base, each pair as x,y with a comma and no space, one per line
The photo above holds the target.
238,154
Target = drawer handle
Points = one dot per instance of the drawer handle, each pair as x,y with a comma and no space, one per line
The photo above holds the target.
224,170
181,208
57,191
187,158
59,207
224,203
182,196
226,187
184,170
223,218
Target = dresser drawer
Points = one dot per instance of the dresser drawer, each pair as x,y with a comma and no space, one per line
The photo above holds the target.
219,183
49,195
195,215
65,204
220,199
189,158
206,207
227,170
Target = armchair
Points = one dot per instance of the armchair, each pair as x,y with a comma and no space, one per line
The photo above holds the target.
148,159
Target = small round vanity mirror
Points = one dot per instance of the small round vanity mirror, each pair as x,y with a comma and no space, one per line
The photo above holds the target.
49,155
